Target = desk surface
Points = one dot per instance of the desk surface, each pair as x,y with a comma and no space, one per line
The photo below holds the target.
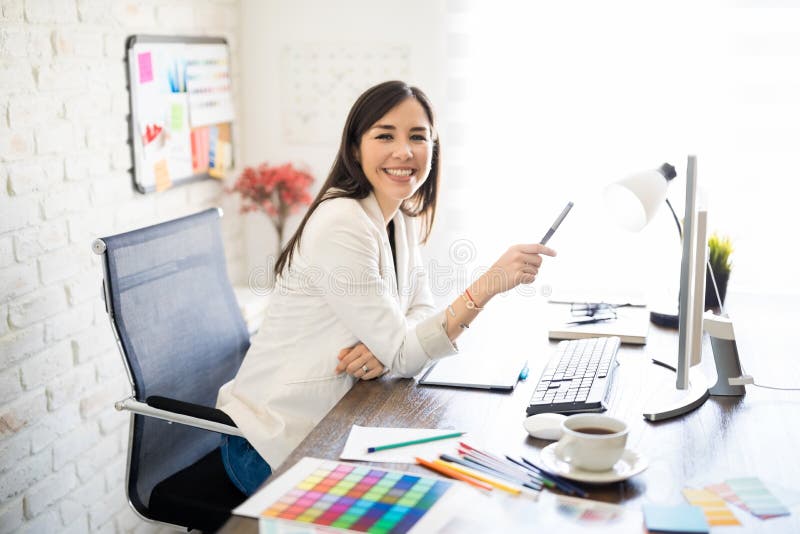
757,435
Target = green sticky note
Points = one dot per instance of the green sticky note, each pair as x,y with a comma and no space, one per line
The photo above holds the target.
176,115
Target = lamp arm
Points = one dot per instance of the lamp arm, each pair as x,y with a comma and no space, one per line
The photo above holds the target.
677,222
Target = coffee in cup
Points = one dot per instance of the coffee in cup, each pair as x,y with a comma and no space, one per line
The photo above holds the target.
592,442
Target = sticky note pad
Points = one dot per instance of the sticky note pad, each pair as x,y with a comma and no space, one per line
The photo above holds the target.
176,117
145,68
714,508
678,519
161,171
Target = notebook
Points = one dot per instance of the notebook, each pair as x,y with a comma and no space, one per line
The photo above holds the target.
471,370
631,325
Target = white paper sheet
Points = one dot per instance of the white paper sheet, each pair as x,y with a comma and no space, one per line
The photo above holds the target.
363,437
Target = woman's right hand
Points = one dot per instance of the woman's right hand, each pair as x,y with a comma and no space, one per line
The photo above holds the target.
518,265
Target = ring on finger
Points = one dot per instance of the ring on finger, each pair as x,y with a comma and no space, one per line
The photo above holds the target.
365,368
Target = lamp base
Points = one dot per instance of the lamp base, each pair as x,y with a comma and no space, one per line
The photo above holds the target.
665,319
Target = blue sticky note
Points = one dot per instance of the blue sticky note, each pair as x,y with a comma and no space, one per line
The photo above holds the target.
679,519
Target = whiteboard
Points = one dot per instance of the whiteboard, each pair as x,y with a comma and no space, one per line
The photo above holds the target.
181,109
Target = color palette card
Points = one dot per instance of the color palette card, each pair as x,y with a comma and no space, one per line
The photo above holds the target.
714,508
752,495
587,512
683,518
338,495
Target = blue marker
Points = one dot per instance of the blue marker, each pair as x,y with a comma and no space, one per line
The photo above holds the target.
524,373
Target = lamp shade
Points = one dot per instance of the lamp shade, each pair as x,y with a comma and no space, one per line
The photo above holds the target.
634,201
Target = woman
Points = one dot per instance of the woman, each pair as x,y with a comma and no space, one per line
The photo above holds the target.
352,299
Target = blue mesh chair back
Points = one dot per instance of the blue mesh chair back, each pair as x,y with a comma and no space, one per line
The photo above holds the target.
182,334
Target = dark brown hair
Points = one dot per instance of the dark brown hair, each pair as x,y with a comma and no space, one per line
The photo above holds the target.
346,174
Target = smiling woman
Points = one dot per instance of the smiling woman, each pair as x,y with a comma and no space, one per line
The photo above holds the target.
352,299
396,154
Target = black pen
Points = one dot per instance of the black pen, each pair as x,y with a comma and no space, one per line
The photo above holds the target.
591,320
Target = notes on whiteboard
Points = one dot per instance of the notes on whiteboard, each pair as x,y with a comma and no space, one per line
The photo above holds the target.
209,85
145,68
182,110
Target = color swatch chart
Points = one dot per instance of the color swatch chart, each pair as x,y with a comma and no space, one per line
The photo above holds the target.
752,495
359,498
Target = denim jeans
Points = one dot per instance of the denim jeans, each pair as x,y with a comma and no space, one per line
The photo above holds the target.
245,467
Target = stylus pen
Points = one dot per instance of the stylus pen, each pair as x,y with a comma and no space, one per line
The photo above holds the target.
556,224
414,442
559,482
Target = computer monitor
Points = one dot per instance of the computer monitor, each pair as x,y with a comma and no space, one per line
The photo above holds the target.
691,386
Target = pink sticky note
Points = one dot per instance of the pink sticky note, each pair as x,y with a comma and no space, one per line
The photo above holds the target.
145,68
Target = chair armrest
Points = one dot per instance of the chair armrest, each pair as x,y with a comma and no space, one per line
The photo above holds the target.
132,405
190,409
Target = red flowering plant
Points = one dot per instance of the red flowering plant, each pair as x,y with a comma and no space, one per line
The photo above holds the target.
278,191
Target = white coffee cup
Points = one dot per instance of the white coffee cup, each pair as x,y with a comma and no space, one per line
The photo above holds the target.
592,442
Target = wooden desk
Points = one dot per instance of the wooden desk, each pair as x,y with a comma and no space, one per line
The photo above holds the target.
757,435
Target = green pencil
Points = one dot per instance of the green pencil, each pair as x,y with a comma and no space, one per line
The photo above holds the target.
414,442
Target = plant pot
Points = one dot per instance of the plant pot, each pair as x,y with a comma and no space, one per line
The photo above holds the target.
722,285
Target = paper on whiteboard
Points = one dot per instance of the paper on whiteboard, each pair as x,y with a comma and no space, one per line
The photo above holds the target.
209,85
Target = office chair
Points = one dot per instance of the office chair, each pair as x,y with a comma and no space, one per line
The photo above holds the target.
181,336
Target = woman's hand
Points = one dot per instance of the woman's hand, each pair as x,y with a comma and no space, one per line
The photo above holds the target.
518,265
353,361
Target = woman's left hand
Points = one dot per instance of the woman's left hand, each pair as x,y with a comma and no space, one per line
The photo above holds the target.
354,361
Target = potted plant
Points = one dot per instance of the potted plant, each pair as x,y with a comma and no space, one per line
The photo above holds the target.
719,259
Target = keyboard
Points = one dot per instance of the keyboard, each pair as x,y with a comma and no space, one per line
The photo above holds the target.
578,377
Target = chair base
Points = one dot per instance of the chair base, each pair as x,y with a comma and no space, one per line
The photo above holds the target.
200,496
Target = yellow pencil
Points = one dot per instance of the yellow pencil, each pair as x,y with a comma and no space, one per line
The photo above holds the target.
480,476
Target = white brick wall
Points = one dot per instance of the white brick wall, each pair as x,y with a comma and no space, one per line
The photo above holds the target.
65,179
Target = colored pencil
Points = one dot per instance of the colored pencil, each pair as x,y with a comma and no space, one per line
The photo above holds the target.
560,482
497,463
502,467
472,464
544,480
492,481
452,473
474,453
414,442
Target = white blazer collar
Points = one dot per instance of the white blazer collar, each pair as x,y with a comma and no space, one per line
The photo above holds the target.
401,236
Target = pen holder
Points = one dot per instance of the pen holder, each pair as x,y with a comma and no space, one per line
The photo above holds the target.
726,354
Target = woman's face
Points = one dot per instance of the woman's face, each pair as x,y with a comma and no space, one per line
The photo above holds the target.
395,153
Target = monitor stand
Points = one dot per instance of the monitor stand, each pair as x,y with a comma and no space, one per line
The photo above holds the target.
674,402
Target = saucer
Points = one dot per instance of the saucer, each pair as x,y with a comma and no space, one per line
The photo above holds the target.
629,465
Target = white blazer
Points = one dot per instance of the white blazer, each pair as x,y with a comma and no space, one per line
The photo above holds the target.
341,289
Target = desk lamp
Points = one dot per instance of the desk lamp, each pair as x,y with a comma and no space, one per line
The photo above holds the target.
634,201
